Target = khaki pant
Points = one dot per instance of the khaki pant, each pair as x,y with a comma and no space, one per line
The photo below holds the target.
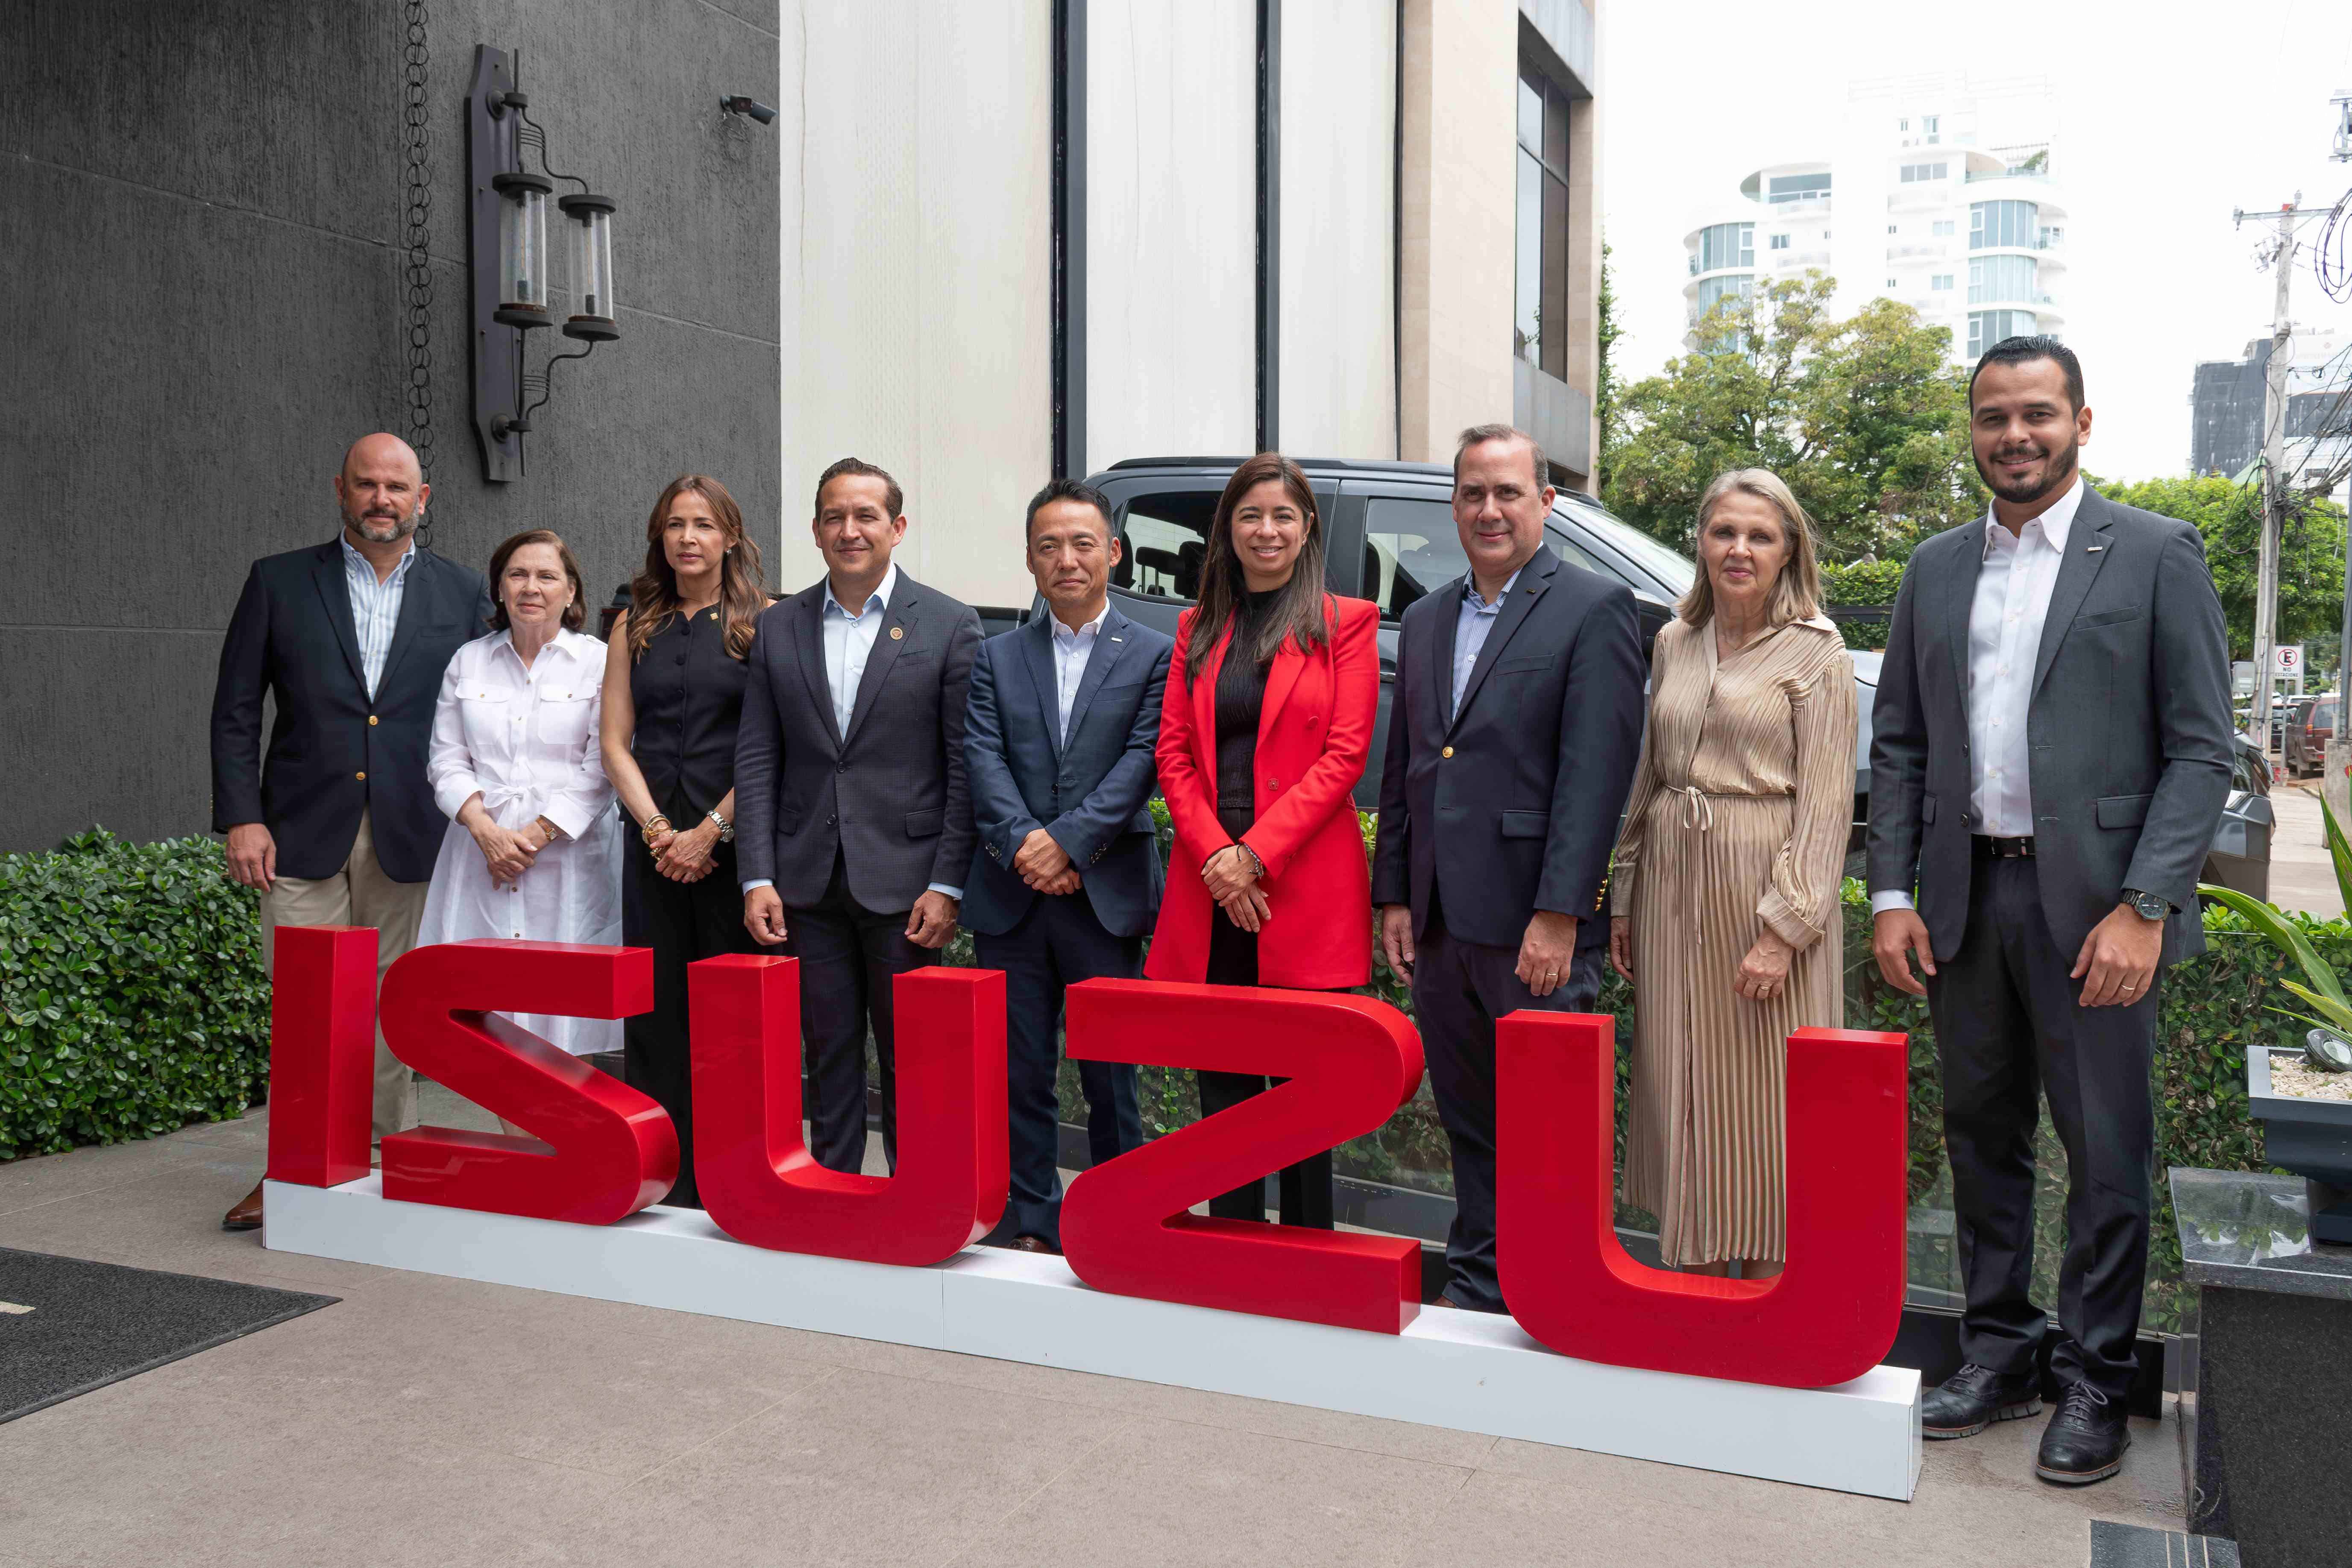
358,895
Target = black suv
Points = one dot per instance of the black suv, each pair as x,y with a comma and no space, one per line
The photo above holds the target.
1391,540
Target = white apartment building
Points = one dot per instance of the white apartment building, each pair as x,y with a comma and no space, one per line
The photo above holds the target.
1943,193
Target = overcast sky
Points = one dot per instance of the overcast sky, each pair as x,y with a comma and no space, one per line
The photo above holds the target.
2172,115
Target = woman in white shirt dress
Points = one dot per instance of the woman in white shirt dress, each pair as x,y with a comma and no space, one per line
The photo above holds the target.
533,848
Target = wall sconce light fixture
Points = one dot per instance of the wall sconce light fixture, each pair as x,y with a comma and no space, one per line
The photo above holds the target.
511,294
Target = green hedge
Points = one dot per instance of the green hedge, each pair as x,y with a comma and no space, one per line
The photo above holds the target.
1862,582
132,994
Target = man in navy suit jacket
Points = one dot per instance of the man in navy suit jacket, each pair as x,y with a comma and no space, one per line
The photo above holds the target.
337,826
1065,875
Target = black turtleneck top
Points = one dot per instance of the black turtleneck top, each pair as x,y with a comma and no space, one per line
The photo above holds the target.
1241,694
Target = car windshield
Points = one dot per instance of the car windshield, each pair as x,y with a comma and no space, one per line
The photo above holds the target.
1676,571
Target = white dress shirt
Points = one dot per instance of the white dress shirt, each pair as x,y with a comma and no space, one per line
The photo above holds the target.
375,606
527,741
1072,651
848,643
1470,631
2005,622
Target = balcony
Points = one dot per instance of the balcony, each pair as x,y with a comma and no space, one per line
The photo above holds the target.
2039,176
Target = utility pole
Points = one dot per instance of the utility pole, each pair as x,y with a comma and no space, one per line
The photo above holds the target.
2274,477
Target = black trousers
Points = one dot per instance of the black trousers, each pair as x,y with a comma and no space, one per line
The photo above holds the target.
1460,989
849,955
2009,1031
1304,1187
681,921
1058,943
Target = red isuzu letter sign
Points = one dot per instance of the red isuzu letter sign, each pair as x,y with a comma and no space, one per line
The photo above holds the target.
601,1151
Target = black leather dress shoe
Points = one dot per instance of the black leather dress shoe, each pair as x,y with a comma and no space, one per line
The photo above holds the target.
2085,1439
1974,1397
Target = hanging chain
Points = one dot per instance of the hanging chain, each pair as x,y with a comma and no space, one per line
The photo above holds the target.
417,266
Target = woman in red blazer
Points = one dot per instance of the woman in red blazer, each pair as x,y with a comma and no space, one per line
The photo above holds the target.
1263,735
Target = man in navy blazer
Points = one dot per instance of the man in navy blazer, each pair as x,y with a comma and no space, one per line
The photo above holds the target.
1511,749
336,824
1066,876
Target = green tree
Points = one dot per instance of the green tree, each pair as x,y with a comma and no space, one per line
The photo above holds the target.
1608,411
1862,417
2229,514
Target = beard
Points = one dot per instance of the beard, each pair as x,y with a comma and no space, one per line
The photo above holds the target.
381,529
2055,473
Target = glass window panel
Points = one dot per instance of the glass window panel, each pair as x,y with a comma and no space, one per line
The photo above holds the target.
1167,540
1555,142
1530,116
1995,278
1554,321
1530,257
1995,225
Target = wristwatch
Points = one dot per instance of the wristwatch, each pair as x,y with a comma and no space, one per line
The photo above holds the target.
725,829
2147,906
554,834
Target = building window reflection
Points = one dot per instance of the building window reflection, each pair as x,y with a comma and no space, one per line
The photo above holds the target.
1542,226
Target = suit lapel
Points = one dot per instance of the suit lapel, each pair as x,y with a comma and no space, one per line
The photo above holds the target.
1204,709
1289,659
1959,601
1110,646
888,638
1534,578
327,575
1037,657
2085,553
809,633
413,593
1445,625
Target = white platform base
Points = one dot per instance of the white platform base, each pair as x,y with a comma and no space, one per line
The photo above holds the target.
1468,1371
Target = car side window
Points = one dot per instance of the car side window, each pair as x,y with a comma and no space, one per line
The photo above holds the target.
1412,548
1167,539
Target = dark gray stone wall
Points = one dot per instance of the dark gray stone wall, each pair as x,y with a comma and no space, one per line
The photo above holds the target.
201,221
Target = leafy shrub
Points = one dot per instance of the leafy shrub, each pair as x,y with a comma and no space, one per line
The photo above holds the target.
1862,582
132,994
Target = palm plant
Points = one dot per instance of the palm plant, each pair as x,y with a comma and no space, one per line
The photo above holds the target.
2325,993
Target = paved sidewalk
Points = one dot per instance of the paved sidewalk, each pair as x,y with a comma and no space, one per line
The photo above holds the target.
2301,875
431,1421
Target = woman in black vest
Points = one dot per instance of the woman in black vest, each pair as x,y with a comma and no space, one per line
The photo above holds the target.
673,694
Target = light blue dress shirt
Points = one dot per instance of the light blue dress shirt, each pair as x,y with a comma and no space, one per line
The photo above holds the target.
375,607
848,643
1470,631
1072,652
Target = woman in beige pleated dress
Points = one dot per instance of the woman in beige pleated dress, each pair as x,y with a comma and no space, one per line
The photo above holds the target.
1725,913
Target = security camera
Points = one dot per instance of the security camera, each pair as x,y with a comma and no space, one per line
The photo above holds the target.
753,106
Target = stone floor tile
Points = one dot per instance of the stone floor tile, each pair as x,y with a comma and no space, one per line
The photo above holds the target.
856,1469
53,1178
1174,1494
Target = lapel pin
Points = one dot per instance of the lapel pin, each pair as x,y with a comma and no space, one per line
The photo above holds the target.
898,632
2093,549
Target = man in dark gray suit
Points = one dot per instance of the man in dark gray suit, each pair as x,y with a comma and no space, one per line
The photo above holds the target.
1517,725
853,829
1066,876
2050,753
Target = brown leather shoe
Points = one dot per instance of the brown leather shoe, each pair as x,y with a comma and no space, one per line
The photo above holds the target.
246,1215
1033,1244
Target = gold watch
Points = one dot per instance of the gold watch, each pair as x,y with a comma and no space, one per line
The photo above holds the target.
554,834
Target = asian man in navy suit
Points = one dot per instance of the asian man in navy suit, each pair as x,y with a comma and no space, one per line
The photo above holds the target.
1065,878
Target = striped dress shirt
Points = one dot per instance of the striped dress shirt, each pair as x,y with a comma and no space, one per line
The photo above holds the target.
375,607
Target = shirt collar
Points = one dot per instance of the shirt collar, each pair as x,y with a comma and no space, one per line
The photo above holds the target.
565,641
1092,628
1470,591
2057,523
882,595
351,555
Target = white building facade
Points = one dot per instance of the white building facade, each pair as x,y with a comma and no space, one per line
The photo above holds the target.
1031,237
1943,194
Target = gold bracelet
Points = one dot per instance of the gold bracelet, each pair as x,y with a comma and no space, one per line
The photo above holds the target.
655,825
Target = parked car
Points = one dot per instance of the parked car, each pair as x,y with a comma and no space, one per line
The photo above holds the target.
2309,726
2240,855
1390,539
